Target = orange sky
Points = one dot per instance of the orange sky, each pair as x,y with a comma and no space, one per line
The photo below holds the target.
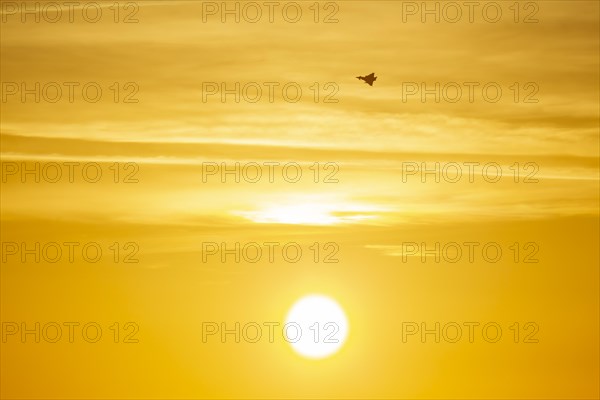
370,138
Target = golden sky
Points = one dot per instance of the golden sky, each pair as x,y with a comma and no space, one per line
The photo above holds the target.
370,139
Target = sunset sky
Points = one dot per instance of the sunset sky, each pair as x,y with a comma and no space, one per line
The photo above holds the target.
369,139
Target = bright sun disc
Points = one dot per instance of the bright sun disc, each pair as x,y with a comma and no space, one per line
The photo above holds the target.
316,326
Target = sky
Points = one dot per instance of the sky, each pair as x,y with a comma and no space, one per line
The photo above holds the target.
383,169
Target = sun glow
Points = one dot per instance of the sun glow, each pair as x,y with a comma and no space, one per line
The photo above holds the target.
309,213
316,326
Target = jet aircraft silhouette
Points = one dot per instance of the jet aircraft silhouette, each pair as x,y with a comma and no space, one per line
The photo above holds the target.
368,79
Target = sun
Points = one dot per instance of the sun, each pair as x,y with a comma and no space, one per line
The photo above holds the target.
316,326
